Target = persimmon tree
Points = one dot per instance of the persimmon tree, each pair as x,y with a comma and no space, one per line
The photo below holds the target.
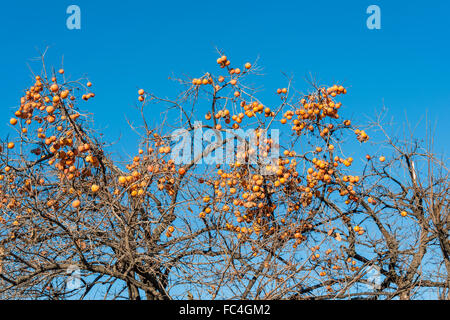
311,223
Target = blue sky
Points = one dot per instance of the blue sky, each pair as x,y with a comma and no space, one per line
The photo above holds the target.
125,45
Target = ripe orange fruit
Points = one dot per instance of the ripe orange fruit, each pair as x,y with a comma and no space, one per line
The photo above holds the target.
64,94
182,171
95,188
61,71
122,180
382,159
89,84
54,87
11,145
248,65
76,203
403,213
13,121
141,92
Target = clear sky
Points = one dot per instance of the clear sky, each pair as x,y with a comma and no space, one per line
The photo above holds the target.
125,45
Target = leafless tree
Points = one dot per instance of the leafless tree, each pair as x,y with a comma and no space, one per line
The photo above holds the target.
314,224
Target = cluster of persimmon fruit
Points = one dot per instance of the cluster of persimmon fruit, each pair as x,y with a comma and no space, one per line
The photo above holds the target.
220,83
250,195
50,105
143,171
